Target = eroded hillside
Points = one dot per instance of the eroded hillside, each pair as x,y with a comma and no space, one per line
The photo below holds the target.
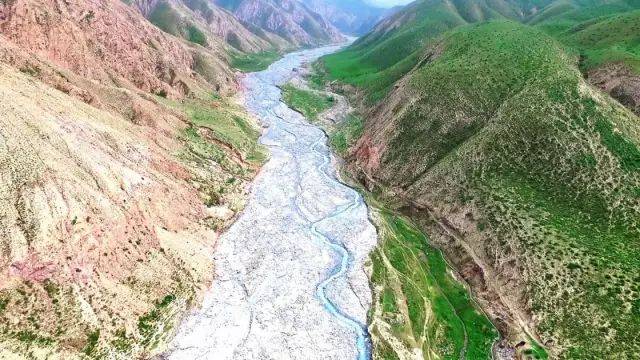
204,23
110,42
121,164
290,19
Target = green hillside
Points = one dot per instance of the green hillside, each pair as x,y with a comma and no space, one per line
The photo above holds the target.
377,61
419,301
495,124
380,58
601,35
169,20
550,166
502,124
596,29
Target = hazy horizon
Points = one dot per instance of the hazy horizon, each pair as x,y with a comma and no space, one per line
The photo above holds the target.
388,3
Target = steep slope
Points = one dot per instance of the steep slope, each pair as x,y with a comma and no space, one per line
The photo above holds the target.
112,196
376,61
354,17
524,174
84,218
290,19
119,45
199,20
526,177
392,48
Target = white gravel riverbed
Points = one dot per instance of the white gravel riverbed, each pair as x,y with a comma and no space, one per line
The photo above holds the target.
268,300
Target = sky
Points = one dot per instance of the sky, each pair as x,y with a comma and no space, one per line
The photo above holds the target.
388,3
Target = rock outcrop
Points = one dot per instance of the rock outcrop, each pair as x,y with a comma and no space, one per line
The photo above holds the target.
178,16
620,82
290,19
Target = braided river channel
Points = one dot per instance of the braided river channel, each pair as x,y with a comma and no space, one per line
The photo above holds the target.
290,280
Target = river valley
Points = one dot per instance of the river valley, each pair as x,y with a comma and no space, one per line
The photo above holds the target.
290,280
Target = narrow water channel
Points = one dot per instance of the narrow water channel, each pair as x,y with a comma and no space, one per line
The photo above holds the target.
290,280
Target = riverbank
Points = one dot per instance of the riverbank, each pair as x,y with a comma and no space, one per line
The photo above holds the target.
421,308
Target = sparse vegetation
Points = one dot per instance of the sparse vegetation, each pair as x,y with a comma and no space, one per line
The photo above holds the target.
220,135
92,343
196,36
121,341
346,134
227,127
150,323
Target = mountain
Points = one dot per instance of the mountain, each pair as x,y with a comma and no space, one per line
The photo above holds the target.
289,19
353,17
75,34
199,20
377,60
121,163
483,125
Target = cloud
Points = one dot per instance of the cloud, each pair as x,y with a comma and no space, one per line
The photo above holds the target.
388,3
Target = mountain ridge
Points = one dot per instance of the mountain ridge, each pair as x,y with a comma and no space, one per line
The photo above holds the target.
290,19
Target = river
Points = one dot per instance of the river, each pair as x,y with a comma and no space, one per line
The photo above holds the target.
290,280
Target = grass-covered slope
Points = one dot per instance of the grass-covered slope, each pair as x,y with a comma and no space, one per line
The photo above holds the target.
605,36
600,34
613,39
383,56
418,300
379,59
600,31
254,62
537,173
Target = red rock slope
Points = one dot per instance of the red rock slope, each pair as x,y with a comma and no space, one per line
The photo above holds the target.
105,236
109,42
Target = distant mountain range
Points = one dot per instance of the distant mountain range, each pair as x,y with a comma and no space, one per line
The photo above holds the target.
290,19
352,17
200,19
